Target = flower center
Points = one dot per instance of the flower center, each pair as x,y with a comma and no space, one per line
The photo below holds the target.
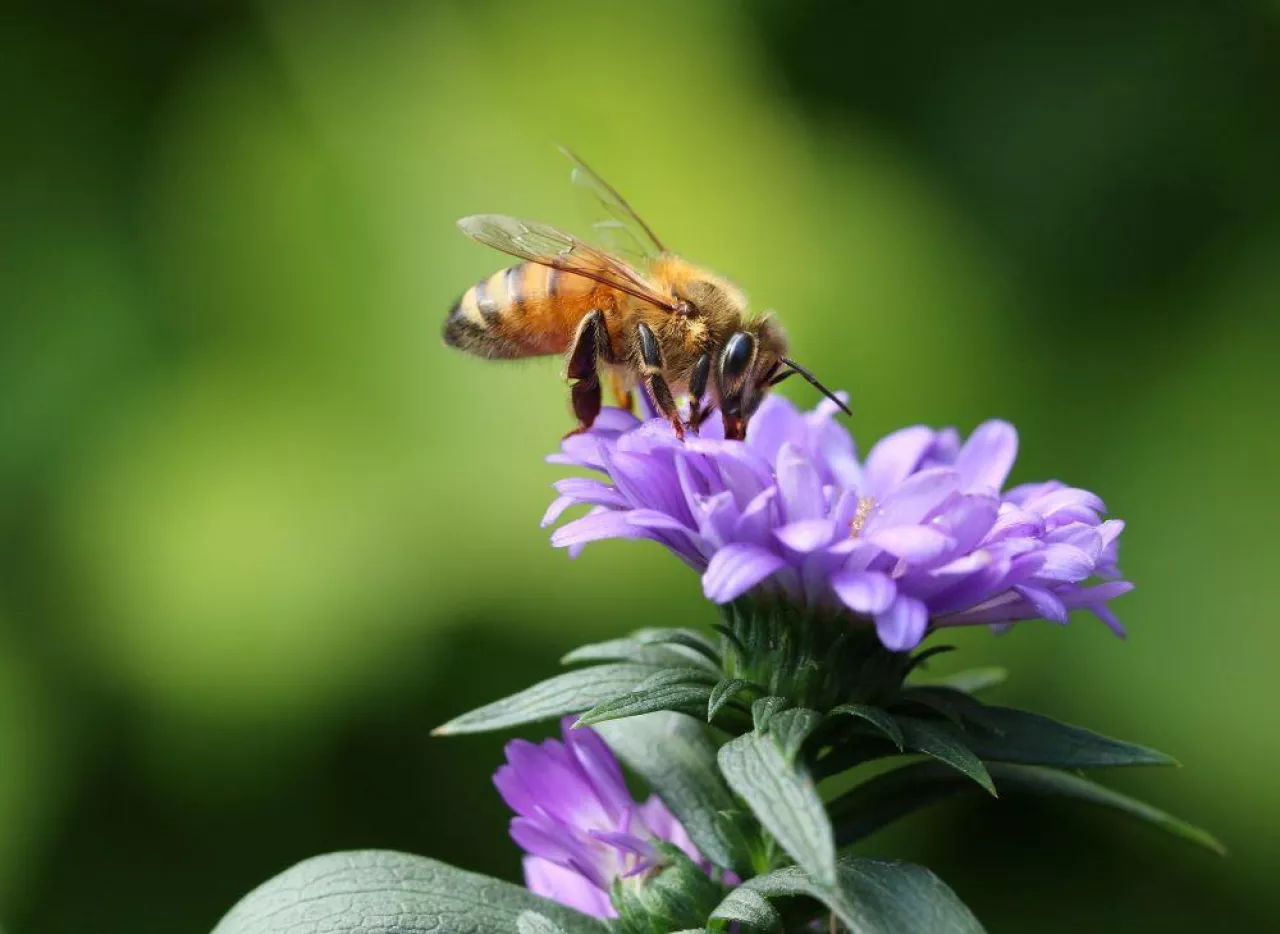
865,505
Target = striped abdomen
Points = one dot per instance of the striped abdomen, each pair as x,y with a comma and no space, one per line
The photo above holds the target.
524,311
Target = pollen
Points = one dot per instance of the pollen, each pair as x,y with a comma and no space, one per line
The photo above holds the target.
865,505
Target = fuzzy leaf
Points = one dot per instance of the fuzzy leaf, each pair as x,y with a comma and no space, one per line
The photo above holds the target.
695,643
724,692
784,799
571,692
945,744
877,896
873,715
748,907
631,650
530,922
891,795
764,709
380,892
790,728
683,690
677,759
1008,735
971,681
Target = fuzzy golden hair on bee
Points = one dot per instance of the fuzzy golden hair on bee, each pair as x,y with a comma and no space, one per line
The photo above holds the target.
658,321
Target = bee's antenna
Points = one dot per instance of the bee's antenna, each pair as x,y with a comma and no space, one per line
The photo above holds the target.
814,380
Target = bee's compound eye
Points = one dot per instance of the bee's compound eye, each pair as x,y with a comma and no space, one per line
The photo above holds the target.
736,356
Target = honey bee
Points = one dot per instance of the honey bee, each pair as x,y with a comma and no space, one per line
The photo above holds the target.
661,322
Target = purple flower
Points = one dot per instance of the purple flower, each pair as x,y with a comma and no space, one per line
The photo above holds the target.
917,536
578,823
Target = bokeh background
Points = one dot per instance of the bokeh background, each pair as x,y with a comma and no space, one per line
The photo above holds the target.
261,531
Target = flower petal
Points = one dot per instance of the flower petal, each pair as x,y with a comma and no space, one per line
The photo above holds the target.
903,624
737,568
913,499
807,535
591,528
915,543
868,592
1064,562
1046,602
799,485
987,457
545,878
894,458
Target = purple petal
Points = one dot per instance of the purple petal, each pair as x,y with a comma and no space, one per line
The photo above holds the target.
1089,596
987,457
1067,499
807,535
736,569
968,520
545,878
914,543
916,497
557,508
594,527
1046,602
756,522
799,485
894,458
868,592
903,624
1013,522
598,764
1064,562
1109,618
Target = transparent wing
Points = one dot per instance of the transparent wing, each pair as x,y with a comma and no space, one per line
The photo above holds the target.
547,246
623,229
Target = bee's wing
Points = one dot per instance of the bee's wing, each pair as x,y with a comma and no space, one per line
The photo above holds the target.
624,229
547,246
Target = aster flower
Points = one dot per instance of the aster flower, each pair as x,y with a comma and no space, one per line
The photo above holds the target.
577,821
919,535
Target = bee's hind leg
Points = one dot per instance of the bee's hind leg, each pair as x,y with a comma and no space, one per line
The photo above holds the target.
655,382
589,345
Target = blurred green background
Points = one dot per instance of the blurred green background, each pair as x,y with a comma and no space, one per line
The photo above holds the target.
261,531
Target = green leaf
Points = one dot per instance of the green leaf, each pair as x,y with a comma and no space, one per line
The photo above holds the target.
945,744
873,715
1008,735
784,799
530,922
945,702
683,690
790,728
697,643
630,650
568,693
891,795
877,896
677,759
725,691
377,891
971,681
764,709
748,907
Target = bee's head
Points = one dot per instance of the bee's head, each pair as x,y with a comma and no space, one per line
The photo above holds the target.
753,361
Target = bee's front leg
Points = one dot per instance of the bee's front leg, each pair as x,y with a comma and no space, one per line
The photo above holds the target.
652,368
697,389
590,344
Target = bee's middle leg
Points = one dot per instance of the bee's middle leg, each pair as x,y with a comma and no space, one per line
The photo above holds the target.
652,369
590,345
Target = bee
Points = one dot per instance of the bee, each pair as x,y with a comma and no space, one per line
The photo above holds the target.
662,322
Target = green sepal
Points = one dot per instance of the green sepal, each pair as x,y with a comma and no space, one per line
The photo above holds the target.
677,759
724,692
881,800
782,795
682,690
679,895
342,891
944,743
878,718
747,906
762,711
875,896
568,693
790,728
